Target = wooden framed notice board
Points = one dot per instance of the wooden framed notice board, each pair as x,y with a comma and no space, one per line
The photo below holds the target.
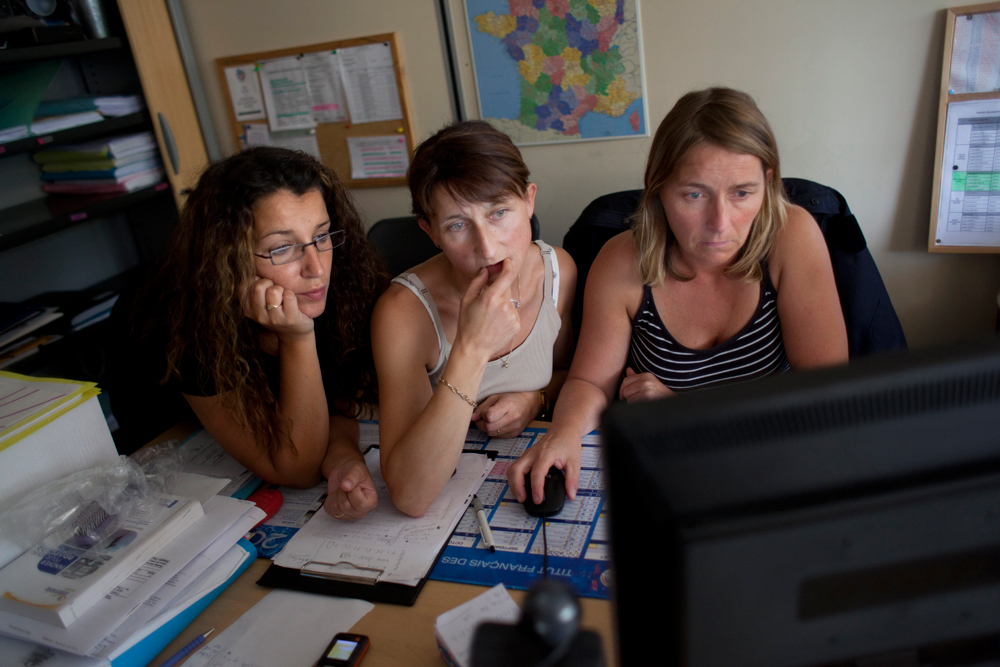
965,207
343,101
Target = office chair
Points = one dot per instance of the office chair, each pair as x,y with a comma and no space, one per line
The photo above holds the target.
402,244
872,324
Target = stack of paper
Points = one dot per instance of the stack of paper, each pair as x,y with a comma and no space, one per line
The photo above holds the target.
58,583
17,321
178,575
49,428
120,164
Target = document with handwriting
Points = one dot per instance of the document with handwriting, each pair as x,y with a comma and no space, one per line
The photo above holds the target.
386,545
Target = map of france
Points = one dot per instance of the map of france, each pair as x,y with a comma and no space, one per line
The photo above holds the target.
573,58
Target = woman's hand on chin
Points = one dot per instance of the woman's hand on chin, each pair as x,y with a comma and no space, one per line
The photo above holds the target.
276,309
638,387
351,491
506,415
488,321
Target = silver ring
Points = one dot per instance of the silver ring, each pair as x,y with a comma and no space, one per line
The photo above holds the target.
272,306
517,304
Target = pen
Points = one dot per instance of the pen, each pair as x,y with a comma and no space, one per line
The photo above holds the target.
484,527
176,657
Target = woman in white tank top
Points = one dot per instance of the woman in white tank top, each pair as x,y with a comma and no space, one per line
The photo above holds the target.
479,333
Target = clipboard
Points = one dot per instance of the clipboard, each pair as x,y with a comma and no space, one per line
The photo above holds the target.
380,591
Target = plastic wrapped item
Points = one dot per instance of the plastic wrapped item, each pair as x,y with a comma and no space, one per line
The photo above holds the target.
81,508
161,463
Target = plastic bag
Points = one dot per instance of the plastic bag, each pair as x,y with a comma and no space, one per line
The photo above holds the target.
83,509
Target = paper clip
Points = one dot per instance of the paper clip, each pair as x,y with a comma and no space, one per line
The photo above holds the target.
342,576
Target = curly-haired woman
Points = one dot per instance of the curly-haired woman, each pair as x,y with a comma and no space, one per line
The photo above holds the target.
259,317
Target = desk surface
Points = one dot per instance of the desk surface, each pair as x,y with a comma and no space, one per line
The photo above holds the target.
399,635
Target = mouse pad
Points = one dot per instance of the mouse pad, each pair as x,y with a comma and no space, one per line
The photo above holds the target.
579,538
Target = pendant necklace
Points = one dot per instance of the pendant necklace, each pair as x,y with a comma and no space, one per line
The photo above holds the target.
517,306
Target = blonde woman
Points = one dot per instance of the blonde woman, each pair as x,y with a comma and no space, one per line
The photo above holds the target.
720,280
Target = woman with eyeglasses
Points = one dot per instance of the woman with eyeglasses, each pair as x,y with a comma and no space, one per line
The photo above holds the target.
260,316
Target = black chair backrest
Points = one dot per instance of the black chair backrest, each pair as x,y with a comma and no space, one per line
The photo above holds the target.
402,244
872,325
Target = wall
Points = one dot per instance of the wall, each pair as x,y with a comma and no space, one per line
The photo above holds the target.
850,88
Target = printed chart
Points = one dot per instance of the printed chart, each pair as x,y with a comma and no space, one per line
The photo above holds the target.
578,537
969,209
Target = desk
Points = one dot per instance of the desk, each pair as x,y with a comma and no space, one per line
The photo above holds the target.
400,635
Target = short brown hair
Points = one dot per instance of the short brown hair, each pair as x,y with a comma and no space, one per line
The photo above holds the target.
728,119
472,160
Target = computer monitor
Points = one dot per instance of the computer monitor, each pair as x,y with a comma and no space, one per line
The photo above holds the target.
812,518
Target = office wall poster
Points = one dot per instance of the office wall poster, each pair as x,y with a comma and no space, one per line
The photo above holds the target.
969,199
556,71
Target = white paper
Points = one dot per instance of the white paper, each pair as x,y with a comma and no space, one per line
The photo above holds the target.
286,95
975,55
326,90
202,487
216,575
285,628
378,157
22,399
255,134
204,456
455,629
178,584
297,141
244,92
401,547
969,197
370,83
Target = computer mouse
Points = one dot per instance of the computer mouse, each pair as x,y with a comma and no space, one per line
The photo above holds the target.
555,494
551,612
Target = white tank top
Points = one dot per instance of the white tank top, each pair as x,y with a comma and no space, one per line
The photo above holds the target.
529,366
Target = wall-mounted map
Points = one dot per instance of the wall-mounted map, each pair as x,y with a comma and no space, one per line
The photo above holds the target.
559,70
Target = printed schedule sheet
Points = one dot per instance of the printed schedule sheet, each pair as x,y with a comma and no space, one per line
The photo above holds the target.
969,202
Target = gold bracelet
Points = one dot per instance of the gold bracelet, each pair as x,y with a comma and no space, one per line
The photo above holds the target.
456,391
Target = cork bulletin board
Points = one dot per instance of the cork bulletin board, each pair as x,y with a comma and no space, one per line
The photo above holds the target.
336,130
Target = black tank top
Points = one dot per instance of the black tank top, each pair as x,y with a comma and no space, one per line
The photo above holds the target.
757,350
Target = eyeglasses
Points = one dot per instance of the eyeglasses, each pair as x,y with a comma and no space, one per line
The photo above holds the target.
287,254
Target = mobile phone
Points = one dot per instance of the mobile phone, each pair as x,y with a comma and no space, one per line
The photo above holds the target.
345,650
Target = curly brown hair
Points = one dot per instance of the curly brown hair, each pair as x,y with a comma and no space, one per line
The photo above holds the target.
197,290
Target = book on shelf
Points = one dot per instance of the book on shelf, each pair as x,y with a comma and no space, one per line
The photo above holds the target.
129,183
13,314
106,148
25,327
116,172
100,163
65,122
108,105
57,583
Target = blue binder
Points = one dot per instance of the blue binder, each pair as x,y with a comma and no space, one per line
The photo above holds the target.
143,653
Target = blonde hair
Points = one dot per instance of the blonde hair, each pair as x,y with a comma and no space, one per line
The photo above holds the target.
728,119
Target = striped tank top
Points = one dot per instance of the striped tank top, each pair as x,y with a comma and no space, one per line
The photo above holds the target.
757,350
